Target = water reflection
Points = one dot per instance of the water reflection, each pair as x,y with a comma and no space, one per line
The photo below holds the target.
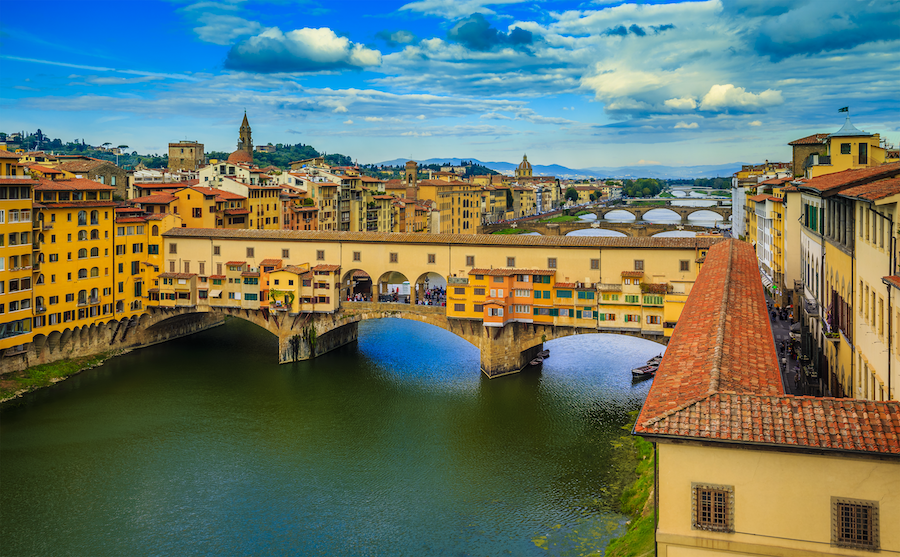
597,232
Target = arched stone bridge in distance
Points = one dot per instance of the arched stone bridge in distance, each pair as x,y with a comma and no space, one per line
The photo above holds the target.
684,212
633,229
302,336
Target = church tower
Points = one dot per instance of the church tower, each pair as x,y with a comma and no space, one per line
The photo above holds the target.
524,168
411,179
245,143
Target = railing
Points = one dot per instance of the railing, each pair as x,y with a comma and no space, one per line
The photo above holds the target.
40,309
457,280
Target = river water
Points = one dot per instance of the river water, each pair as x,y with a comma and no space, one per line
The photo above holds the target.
394,445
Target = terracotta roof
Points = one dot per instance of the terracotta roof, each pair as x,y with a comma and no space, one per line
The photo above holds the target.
564,285
16,181
637,274
240,156
75,204
848,178
237,211
293,269
130,219
205,190
44,169
270,262
510,272
235,262
758,198
360,274
82,165
4,154
445,239
155,199
324,267
250,274
775,181
720,381
814,139
217,277
71,184
177,275
228,196
874,190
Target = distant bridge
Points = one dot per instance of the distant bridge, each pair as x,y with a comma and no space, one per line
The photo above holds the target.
683,212
632,229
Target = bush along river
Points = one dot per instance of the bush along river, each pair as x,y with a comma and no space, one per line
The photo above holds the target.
395,445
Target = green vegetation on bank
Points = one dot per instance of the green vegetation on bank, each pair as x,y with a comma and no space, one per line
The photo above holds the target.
561,218
649,202
637,503
44,375
511,231
666,194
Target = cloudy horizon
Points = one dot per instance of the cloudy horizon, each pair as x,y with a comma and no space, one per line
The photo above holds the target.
580,84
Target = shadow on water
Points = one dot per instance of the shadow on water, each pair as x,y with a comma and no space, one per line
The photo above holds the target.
396,444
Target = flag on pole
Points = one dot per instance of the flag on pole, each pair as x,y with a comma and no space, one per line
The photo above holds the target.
845,109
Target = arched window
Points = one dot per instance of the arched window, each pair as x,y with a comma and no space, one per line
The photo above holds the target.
120,306
82,297
40,279
95,252
82,218
39,302
41,257
95,271
82,235
82,253
95,217
82,273
95,234
155,230
95,294
41,237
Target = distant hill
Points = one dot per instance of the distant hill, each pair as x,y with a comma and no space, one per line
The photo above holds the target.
643,171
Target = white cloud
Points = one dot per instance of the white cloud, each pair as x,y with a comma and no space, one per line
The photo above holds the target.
722,98
417,134
642,161
454,9
691,126
420,117
300,50
682,104
756,123
224,29
339,109
348,122
373,119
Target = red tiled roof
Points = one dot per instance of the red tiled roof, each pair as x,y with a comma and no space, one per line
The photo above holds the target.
758,198
75,204
775,181
4,154
849,178
71,184
16,181
228,196
270,262
155,199
130,219
217,277
237,211
360,274
293,269
719,379
814,139
633,273
177,275
565,285
44,169
510,272
233,263
81,165
250,274
324,267
874,190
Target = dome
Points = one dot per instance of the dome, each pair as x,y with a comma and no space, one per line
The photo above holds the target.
240,156
524,164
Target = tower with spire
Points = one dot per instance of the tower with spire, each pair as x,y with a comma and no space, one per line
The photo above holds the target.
245,143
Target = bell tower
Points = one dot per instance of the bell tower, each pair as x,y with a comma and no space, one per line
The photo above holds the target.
411,180
245,143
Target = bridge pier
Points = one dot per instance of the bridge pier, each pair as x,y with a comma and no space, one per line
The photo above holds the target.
295,346
502,350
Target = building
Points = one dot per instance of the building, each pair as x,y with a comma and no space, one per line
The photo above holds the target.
186,156
18,268
101,171
524,168
742,468
847,149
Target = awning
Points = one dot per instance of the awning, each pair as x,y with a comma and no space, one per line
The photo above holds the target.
215,293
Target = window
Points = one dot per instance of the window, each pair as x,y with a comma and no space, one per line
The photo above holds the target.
154,230
320,255
197,212
431,258
137,248
653,320
357,256
82,253
479,292
854,523
845,148
173,248
153,249
595,264
510,261
459,307
393,257
638,264
470,261
82,218
495,312
479,308
563,293
285,254
632,299
95,252
712,507
684,265
459,290
551,262
217,250
120,249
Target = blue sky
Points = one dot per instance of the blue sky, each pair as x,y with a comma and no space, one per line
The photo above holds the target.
580,84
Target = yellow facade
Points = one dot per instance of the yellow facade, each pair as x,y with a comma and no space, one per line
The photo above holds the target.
19,229
803,485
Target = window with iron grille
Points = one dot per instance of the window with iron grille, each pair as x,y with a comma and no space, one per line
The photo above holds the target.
551,262
510,261
638,264
470,261
854,523
595,263
357,255
712,507
320,255
393,257
217,250
431,258
685,265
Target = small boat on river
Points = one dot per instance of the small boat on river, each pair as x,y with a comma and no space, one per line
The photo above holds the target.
544,354
537,361
644,371
655,360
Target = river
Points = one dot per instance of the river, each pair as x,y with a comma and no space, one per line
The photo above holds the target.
394,445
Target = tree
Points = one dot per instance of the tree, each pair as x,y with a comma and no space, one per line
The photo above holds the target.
593,197
571,194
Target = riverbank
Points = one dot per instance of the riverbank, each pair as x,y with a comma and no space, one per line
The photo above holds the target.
637,502
18,383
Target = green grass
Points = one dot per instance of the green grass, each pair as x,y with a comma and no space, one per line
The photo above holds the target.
639,540
44,374
510,231
666,194
561,218
648,202
579,213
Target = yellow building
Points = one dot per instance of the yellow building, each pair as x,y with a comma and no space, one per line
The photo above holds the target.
742,468
848,148
19,229
77,280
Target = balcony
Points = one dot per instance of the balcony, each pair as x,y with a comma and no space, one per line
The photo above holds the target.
816,159
457,280
40,309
